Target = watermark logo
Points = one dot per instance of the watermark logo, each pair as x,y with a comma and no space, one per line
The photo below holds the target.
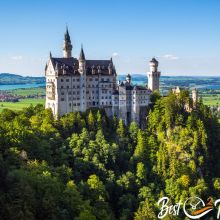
193,207
198,207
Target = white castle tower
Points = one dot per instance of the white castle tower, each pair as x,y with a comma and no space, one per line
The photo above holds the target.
195,97
82,71
67,46
153,76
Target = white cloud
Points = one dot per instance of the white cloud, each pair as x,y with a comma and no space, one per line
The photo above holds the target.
170,57
115,54
17,58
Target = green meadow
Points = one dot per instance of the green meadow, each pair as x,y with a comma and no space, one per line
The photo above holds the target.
16,106
211,99
30,91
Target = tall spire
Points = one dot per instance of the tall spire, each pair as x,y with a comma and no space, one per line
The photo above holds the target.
82,55
67,36
67,47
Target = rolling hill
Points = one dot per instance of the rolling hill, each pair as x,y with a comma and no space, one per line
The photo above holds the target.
13,79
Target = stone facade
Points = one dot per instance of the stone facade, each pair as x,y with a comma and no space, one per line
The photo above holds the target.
79,84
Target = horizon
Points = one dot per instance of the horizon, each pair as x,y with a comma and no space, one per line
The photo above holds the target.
181,35
132,74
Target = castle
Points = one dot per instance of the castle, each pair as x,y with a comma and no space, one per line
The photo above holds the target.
79,84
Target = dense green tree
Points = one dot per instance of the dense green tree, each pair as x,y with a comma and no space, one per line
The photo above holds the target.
88,166
121,129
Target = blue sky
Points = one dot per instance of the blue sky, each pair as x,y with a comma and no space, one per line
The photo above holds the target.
183,34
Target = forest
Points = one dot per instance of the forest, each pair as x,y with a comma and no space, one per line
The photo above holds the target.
86,166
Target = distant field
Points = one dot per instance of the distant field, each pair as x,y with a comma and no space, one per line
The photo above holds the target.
16,106
212,100
29,91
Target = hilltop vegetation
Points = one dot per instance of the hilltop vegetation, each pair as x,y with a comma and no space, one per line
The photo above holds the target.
13,79
87,166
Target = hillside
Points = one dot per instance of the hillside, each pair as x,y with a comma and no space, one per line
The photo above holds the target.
12,79
88,166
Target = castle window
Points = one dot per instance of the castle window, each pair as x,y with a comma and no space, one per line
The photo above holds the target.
67,87
61,87
62,99
96,79
73,80
67,80
61,80
70,93
62,93
77,80
70,104
78,87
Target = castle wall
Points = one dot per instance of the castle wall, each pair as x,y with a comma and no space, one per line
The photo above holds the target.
154,81
122,112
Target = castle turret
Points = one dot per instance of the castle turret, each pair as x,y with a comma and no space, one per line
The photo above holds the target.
128,79
82,71
82,62
153,75
67,46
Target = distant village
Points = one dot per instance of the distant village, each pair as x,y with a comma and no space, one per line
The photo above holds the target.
7,96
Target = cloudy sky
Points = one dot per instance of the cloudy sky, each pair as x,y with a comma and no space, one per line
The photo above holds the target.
184,35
